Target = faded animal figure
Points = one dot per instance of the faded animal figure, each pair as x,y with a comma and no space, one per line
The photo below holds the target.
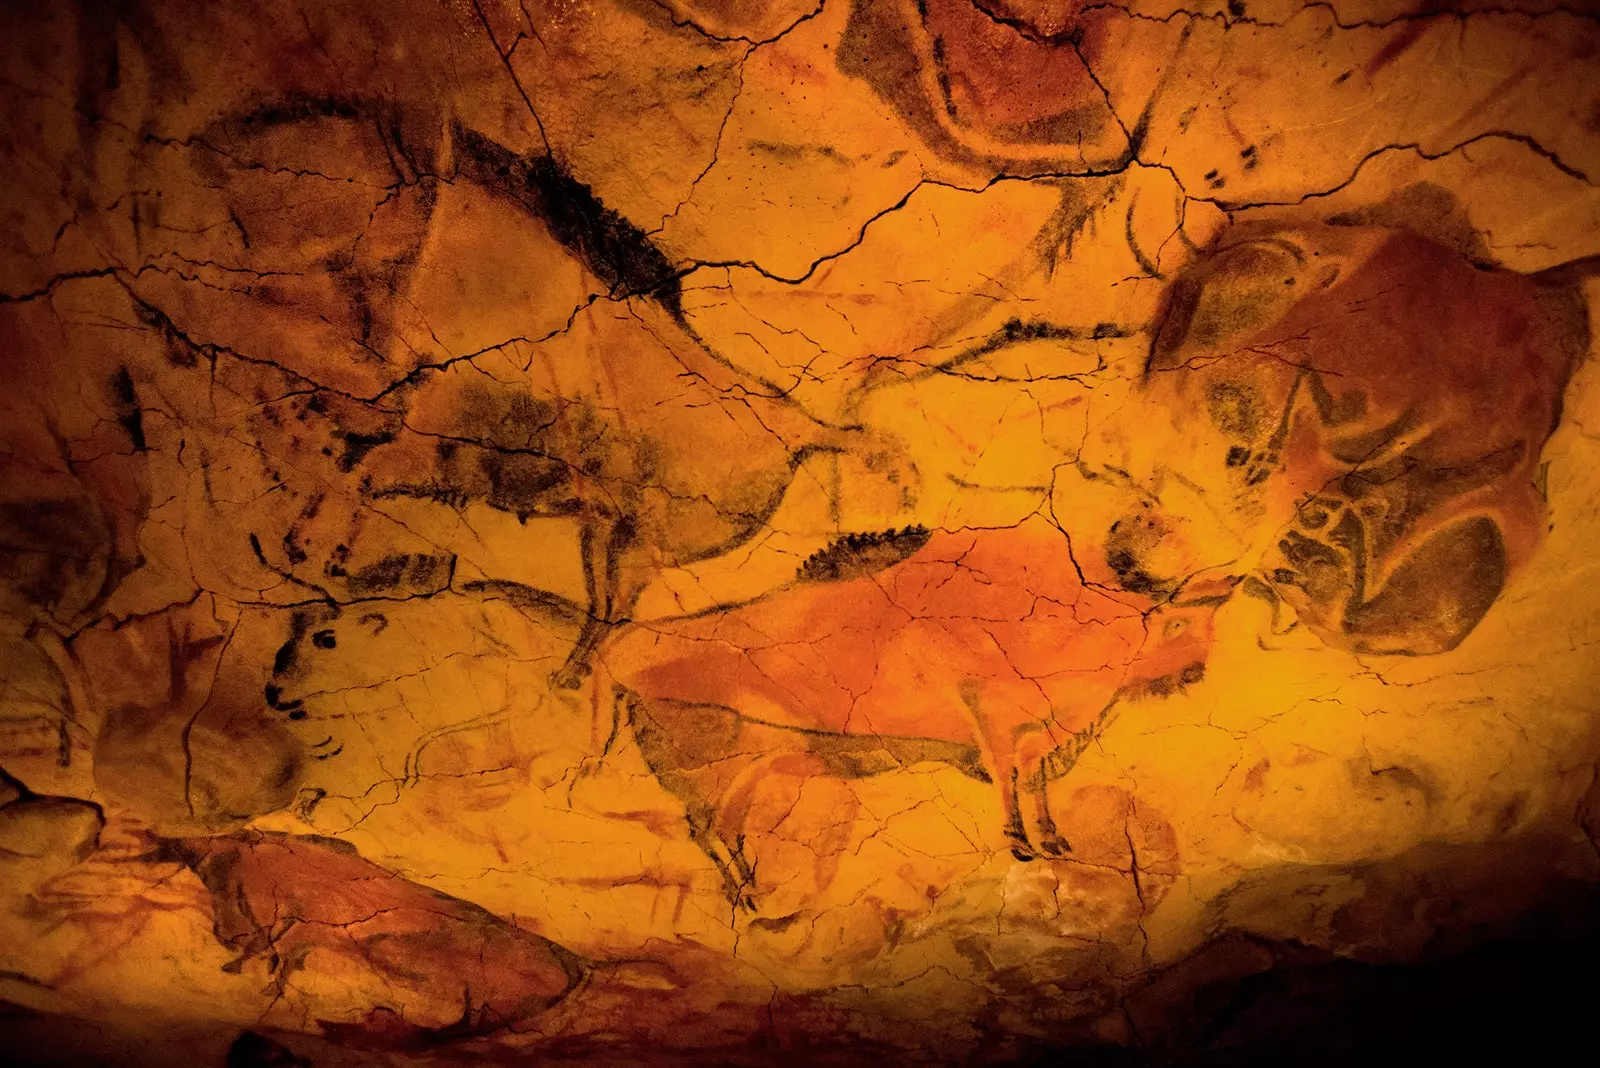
418,967
1351,416
983,650
181,743
627,428
1010,84
595,404
439,310
449,690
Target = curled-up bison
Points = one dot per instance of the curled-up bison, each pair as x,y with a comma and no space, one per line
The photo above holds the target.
412,966
1351,417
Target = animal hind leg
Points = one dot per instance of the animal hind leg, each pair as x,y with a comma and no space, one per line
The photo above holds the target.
999,753
735,889
655,731
1055,763
1035,753
579,663
609,597
1050,839
570,675
1016,829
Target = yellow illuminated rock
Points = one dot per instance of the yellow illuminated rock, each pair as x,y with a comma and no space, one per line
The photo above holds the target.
855,531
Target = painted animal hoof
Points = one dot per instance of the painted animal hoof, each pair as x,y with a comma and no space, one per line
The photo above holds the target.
570,677
1022,850
1055,845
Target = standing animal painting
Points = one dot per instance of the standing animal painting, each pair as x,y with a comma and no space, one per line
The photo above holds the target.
984,651
1343,420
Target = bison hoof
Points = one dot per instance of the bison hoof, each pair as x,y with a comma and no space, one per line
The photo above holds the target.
570,677
1055,845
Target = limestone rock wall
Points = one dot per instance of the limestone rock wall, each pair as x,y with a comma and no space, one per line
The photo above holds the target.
736,531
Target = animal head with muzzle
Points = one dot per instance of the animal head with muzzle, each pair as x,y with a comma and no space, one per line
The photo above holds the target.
1350,415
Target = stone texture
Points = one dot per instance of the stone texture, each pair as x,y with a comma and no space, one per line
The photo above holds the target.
637,530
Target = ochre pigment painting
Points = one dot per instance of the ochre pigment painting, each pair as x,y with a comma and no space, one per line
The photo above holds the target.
800,532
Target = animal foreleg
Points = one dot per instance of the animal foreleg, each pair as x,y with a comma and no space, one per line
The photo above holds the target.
570,675
610,596
1057,762
733,813
1016,830
702,833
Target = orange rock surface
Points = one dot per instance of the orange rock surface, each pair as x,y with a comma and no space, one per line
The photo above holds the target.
642,531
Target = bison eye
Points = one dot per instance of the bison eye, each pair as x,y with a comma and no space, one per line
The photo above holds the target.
324,639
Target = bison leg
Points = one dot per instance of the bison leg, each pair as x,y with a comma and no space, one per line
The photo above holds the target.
688,749
596,569
1033,753
1050,842
1016,830
735,889
572,673
734,811
610,596
999,749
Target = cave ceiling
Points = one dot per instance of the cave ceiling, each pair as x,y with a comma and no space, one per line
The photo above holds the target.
909,530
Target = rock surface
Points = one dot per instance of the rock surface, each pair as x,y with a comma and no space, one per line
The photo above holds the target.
911,530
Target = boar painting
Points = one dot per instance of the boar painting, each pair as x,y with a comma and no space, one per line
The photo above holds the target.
793,532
